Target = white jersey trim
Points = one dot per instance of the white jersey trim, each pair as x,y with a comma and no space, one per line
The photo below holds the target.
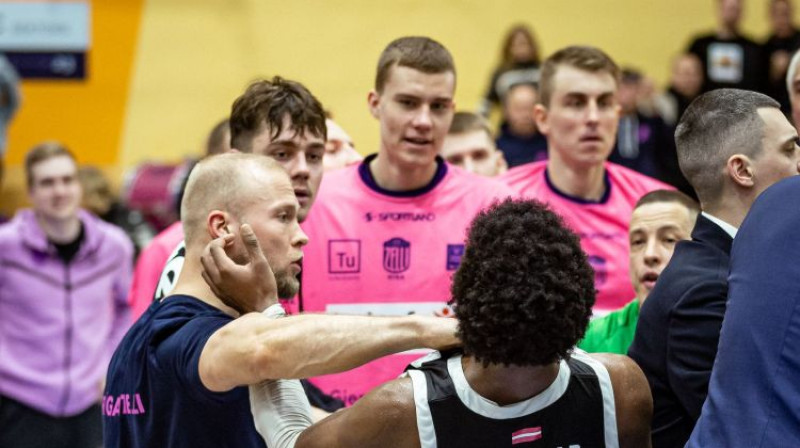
487,408
427,433
609,409
174,265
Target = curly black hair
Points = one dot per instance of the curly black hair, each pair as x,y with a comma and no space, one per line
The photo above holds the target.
524,291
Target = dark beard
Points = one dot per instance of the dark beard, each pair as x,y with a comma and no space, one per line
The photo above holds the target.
287,284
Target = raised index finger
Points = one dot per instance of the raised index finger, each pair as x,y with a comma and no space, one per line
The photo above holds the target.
210,265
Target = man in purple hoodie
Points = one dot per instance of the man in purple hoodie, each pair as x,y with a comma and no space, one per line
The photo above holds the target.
64,275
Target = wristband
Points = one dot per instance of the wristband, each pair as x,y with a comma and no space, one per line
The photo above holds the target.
274,311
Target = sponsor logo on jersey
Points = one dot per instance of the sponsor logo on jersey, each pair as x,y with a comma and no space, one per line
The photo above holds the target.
600,270
124,404
400,216
526,435
344,256
454,254
396,255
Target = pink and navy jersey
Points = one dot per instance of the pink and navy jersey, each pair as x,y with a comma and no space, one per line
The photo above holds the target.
377,252
601,225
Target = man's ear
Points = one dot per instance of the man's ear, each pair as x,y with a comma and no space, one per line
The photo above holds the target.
218,224
540,115
740,169
373,101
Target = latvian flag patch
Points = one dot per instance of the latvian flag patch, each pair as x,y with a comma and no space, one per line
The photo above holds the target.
526,435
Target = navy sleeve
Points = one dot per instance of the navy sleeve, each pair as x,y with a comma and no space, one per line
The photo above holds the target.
179,357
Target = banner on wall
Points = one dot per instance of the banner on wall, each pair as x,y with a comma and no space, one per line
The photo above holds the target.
46,39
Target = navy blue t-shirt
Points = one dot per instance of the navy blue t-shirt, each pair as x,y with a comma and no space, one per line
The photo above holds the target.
154,396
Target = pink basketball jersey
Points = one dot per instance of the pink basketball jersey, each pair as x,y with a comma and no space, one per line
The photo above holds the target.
602,226
375,252
149,267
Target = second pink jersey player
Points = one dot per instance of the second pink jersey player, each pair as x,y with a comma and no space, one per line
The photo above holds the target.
602,225
376,252
151,279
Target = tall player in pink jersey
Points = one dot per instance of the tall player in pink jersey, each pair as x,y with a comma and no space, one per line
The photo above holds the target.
387,234
579,114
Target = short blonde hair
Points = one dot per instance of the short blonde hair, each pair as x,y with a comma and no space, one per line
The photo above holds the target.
223,182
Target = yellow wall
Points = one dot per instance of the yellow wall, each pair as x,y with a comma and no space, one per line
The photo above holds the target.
85,115
193,57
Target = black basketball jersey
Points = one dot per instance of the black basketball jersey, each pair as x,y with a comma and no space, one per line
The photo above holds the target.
576,411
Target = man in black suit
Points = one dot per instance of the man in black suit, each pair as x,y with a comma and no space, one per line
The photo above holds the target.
732,145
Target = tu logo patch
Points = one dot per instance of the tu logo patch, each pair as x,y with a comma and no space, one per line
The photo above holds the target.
344,256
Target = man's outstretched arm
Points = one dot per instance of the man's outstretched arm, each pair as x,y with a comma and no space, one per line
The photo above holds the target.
254,348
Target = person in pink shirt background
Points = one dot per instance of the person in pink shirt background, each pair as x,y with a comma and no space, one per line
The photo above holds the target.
386,235
579,115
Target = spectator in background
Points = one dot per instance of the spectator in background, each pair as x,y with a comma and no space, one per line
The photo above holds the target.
660,219
685,84
219,139
519,63
644,142
579,114
732,145
469,145
63,309
98,199
519,139
778,49
9,103
729,58
340,150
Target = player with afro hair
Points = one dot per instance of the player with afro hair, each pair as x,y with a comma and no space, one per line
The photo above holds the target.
524,291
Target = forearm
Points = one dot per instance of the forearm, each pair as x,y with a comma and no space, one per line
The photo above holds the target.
254,348
312,345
